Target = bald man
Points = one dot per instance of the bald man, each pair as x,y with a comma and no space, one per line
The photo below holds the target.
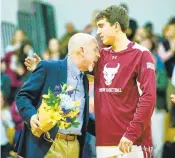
82,55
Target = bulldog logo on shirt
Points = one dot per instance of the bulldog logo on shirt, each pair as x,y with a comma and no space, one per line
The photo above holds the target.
109,73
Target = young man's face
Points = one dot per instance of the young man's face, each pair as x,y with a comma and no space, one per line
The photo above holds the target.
106,32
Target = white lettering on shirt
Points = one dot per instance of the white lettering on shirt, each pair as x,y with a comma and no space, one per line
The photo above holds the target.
109,90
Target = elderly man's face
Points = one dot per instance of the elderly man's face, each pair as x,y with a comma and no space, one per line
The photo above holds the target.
91,55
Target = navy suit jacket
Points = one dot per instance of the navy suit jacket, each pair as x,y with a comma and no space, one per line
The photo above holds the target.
47,75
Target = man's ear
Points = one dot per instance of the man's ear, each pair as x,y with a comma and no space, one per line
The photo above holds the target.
80,52
117,26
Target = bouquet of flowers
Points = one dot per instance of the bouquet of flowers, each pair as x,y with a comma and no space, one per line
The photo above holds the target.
58,108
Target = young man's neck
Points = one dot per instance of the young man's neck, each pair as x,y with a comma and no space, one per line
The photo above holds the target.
120,43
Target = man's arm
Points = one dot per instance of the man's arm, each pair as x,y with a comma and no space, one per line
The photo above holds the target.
30,92
146,78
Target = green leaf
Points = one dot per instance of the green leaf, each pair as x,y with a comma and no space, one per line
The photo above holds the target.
74,118
68,126
75,124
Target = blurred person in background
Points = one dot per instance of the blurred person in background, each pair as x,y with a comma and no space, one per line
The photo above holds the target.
17,121
18,37
25,51
130,32
167,52
5,83
169,146
70,31
140,35
150,29
7,127
161,104
166,48
53,51
13,63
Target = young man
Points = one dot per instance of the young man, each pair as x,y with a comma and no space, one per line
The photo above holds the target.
125,91
83,53
123,115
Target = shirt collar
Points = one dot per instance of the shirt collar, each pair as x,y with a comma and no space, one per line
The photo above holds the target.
73,67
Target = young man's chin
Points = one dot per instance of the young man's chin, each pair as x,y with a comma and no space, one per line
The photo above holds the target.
105,43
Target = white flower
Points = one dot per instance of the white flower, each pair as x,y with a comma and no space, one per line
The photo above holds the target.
66,101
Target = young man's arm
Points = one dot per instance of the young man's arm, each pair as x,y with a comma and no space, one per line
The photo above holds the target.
30,92
147,81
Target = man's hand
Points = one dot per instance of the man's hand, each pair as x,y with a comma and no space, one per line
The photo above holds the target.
172,98
35,123
31,63
125,145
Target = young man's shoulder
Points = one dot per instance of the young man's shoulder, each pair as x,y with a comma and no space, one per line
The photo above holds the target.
105,49
140,48
145,54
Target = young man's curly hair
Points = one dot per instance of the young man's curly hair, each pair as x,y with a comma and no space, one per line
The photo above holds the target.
113,14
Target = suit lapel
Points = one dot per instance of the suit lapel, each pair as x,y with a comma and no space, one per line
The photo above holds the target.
62,72
86,89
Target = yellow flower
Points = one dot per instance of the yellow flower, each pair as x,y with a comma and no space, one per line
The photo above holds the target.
72,114
62,124
66,124
64,87
45,96
55,116
69,88
77,103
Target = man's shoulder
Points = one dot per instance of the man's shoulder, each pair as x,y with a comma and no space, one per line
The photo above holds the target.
52,62
53,65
